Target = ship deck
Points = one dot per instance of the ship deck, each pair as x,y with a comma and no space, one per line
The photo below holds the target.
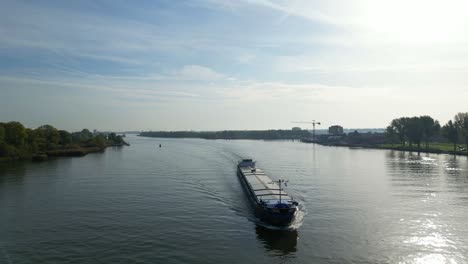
262,186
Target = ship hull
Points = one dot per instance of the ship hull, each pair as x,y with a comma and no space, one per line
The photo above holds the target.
273,216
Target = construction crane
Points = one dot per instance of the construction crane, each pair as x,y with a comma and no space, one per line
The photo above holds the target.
313,125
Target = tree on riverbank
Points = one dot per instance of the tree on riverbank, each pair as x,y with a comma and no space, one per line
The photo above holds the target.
2,134
461,122
232,134
430,128
450,131
398,128
414,130
18,142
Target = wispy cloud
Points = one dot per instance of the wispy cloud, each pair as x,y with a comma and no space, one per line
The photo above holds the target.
185,83
95,36
245,58
197,73
305,56
343,64
304,9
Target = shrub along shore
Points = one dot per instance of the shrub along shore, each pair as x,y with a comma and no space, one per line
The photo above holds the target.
424,134
437,148
20,143
414,134
272,134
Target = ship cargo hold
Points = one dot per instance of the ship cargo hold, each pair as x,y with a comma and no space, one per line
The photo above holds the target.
272,204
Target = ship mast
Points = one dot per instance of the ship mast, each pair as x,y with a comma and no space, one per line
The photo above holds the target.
279,182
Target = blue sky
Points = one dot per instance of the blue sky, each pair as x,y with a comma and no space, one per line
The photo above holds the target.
213,65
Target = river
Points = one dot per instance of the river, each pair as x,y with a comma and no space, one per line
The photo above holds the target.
183,203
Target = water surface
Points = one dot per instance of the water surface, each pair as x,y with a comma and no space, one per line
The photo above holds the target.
183,203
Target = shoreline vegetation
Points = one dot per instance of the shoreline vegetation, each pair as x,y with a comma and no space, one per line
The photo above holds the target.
20,143
272,134
413,134
438,148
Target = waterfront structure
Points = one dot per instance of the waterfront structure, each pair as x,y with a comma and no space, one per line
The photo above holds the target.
335,130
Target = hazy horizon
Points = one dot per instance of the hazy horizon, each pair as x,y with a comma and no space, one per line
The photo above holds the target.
231,65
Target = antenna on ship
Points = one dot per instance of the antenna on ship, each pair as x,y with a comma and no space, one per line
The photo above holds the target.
279,183
313,125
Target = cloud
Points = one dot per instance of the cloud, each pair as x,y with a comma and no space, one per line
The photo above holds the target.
197,73
185,73
298,54
245,58
188,82
350,64
302,9
313,11
254,91
98,36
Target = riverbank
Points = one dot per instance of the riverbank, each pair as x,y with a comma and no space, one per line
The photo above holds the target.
440,149
20,143
272,134
63,152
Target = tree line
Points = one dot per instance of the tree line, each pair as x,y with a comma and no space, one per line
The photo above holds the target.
232,134
17,141
424,129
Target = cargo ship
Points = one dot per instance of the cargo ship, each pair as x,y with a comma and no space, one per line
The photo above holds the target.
272,204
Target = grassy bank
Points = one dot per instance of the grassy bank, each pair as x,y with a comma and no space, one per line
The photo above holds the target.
437,148
271,134
445,148
76,152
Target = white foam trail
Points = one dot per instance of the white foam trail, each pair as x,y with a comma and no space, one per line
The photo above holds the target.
297,222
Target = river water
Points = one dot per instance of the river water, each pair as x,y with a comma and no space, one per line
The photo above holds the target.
183,203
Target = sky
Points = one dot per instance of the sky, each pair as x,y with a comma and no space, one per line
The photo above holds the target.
240,64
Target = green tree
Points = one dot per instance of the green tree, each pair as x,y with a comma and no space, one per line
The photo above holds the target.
430,128
65,137
2,133
32,140
399,127
414,131
15,133
100,141
111,137
461,121
50,134
450,131
84,136
390,134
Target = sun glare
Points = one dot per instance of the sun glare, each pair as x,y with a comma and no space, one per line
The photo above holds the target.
416,21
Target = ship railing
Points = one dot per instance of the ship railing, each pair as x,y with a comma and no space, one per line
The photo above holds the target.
267,194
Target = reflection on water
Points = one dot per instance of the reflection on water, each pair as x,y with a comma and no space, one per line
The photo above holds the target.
421,183
452,164
422,164
431,258
278,242
16,168
183,203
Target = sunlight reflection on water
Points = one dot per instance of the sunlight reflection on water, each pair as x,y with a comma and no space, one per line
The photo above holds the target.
431,237
359,206
431,259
